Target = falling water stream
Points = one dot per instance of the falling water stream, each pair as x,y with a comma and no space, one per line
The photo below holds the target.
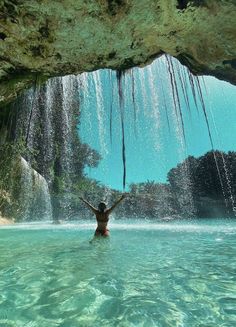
114,108
155,93
34,194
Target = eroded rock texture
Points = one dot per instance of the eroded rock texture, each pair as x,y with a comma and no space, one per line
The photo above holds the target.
41,38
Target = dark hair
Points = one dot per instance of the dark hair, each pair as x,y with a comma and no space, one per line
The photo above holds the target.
102,206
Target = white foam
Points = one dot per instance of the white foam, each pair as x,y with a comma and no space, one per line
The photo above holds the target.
195,227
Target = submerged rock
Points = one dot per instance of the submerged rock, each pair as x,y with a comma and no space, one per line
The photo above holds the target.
40,39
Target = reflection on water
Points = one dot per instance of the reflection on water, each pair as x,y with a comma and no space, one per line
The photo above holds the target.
145,274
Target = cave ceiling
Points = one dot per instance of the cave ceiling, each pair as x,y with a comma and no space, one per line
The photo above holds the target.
41,38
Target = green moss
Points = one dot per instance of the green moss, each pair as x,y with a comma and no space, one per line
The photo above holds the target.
10,179
12,87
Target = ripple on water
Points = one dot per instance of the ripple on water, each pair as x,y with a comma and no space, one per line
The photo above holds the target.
173,275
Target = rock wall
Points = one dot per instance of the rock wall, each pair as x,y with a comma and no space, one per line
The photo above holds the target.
24,193
40,38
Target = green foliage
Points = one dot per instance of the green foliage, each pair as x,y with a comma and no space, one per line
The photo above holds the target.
10,173
211,179
198,187
148,199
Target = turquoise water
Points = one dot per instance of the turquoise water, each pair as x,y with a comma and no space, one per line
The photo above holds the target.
145,274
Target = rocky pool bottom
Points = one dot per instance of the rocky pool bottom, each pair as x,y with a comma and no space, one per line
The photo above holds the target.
146,274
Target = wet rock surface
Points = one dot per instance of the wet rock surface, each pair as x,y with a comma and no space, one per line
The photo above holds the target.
40,39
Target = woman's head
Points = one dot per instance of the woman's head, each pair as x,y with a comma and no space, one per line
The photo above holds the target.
102,206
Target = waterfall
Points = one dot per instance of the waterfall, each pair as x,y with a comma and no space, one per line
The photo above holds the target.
100,111
186,198
96,103
47,120
34,194
156,93
111,116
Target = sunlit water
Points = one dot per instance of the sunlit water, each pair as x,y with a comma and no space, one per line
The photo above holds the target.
146,274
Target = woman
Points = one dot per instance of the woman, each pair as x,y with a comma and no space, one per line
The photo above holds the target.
102,215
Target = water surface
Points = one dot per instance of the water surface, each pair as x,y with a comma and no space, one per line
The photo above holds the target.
146,274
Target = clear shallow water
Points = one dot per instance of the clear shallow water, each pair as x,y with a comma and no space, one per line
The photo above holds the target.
145,274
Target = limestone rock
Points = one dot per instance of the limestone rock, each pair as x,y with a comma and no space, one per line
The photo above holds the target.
41,38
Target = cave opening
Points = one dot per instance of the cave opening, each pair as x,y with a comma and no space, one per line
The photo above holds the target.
125,130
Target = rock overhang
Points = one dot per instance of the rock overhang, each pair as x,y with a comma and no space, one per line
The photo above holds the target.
41,39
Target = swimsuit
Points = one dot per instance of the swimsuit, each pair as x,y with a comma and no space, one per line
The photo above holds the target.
102,232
